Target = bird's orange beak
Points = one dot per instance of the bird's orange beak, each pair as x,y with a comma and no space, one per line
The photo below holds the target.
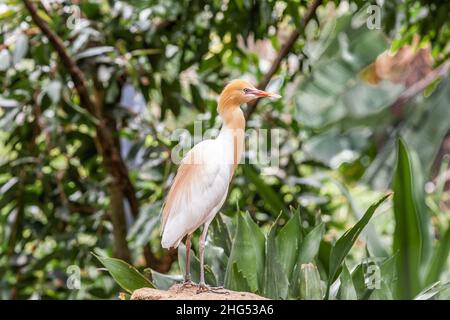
261,94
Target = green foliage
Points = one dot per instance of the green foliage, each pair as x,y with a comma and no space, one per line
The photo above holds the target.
288,243
310,245
310,285
412,236
421,129
282,271
274,202
333,92
346,289
439,259
276,276
195,266
429,19
345,243
247,254
124,274
156,66
408,236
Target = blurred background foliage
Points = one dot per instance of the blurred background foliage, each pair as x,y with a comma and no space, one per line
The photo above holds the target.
75,179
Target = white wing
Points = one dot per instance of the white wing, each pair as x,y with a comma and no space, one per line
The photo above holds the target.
197,193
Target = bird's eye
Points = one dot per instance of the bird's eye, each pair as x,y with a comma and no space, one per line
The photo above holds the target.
246,90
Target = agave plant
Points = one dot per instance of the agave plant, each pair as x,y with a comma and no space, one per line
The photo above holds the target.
291,261
280,264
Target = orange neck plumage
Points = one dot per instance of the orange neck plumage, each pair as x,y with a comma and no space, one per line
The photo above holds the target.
234,124
231,113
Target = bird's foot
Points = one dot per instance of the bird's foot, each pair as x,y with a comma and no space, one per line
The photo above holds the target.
186,284
202,287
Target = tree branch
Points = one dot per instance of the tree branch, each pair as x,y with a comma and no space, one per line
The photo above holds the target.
418,87
285,49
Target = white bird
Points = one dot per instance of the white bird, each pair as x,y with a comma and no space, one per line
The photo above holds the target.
201,184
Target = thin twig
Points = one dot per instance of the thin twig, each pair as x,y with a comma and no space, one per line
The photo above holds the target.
285,49
419,86
56,42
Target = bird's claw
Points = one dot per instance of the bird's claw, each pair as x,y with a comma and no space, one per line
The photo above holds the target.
204,288
186,284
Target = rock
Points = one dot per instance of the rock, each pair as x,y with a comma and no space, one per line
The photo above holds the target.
176,292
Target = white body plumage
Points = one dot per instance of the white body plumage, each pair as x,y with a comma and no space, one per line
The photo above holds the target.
210,164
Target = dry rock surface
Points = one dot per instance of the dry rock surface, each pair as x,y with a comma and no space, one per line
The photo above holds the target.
176,292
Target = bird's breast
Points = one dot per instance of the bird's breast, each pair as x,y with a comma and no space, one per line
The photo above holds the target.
231,142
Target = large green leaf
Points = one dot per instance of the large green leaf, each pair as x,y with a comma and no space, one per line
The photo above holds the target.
310,244
165,281
310,284
247,254
346,290
359,282
373,239
411,229
276,281
216,260
309,249
220,234
389,273
236,280
378,279
124,274
323,257
373,280
433,291
346,241
439,260
288,242
382,293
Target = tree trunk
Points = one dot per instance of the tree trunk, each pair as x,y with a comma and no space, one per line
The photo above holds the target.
121,249
116,168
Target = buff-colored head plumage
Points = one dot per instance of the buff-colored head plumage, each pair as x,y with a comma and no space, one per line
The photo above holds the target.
238,92
233,95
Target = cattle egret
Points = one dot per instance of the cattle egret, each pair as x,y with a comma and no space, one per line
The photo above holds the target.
201,184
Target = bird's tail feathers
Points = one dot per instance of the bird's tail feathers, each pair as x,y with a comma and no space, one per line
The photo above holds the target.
170,239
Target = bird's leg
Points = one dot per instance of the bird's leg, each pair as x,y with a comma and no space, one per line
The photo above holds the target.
187,283
202,287
202,255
